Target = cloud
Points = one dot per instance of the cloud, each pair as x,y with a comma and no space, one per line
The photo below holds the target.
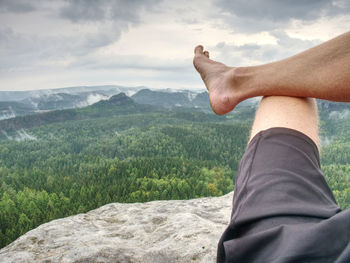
19,6
263,15
7,114
251,53
20,135
146,42
345,114
99,10
93,98
83,10
90,25
325,140
136,62
276,10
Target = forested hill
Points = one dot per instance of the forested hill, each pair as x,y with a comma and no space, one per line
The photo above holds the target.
65,162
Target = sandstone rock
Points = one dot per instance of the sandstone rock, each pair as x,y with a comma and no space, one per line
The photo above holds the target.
159,231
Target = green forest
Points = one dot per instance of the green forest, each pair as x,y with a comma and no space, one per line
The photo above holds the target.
126,153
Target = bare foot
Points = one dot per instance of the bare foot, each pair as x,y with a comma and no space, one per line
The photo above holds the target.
219,80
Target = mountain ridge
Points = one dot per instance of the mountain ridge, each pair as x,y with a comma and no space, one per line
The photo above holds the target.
20,103
117,104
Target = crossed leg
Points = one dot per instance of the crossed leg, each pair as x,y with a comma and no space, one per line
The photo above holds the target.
321,72
283,210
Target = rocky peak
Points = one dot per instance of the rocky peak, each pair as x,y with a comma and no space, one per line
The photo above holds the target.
120,99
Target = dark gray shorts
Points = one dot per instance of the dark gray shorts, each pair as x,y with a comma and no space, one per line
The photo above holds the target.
283,209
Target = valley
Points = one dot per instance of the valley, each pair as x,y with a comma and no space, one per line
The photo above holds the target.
136,146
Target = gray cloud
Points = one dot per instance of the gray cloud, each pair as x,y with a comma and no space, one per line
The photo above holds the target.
264,15
19,6
133,62
97,10
243,55
292,43
276,10
71,44
120,14
110,19
23,51
84,10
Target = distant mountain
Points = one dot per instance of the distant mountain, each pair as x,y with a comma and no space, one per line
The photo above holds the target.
171,99
60,101
182,98
108,90
29,102
201,100
119,104
19,103
120,99
162,98
53,101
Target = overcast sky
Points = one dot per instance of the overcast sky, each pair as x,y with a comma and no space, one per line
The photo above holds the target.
57,43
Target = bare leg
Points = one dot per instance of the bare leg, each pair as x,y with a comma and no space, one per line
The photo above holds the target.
289,112
321,72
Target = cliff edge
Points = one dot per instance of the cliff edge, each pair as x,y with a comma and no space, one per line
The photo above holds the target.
158,231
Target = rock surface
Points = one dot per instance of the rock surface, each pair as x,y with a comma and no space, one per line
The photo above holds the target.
158,231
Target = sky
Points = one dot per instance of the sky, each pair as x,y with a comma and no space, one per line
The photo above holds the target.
62,43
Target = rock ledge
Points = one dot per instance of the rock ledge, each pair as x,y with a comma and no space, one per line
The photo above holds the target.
158,231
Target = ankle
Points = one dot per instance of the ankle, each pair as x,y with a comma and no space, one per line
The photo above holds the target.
244,82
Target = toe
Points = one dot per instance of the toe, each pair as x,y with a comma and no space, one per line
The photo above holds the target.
206,53
198,50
